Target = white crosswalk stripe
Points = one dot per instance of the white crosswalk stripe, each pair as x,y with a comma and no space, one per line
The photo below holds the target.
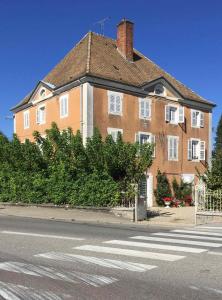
188,236
41,235
175,240
156,246
103,262
69,276
198,232
10,291
128,252
210,228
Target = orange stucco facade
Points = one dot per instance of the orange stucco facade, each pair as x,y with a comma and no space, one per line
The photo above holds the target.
52,114
129,122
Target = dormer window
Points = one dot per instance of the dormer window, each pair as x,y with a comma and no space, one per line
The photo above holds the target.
159,90
42,93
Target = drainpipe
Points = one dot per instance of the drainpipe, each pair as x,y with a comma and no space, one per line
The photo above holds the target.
81,109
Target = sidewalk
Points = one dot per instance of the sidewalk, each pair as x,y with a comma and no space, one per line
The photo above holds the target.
183,216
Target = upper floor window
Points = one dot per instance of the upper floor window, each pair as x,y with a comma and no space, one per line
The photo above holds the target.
144,108
173,145
63,103
40,115
196,149
42,93
115,103
26,119
197,118
114,132
145,137
160,90
174,114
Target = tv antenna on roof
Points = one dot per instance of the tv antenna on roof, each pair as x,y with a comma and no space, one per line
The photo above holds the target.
101,23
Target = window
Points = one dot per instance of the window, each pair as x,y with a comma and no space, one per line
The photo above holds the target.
40,117
174,114
173,143
160,90
42,93
26,119
63,103
115,103
196,150
114,132
144,137
197,118
144,109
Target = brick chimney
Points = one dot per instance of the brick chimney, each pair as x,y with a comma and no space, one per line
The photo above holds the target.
125,39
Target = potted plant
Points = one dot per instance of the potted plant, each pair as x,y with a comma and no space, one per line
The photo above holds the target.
167,201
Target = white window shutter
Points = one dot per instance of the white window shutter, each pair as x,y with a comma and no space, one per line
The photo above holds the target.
142,108
189,150
167,113
201,119
153,141
169,148
181,114
149,108
193,118
37,116
137,137
202,150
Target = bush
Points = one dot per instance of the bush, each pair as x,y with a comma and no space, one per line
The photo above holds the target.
163,188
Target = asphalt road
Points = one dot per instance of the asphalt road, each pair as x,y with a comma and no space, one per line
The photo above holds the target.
50,260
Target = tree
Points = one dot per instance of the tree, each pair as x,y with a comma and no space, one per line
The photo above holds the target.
163,188
213,176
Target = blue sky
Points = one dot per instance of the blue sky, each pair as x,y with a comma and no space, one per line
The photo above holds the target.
183,37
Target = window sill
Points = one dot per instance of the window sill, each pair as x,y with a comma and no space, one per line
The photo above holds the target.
115,114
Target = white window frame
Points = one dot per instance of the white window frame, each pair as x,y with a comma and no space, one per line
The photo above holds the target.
147,102
152,139
115,111
199,119
42,121
179,114
26,119
201,156
176,157
114,130
61,102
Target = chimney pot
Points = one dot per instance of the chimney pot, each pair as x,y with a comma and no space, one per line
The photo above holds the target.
125,39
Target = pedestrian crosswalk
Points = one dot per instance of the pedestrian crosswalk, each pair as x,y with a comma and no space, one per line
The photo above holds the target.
136,253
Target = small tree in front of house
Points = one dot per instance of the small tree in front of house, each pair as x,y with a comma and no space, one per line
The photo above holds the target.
163,189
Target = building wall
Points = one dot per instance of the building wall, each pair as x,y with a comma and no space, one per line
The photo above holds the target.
130,123
52,115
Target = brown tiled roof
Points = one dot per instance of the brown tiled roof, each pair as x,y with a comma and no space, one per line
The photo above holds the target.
98,56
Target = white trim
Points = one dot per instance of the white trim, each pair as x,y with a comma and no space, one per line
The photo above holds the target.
177,149
195,140
198,118
87,111
14,124
26,119
149,101
62,98
210,141
109,93
37,109
116,130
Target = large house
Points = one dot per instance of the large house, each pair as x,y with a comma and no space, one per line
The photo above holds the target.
108,84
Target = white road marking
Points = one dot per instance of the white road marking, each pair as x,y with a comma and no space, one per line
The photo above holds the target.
214,253
176,241
156,246
69,276
42,235
214,290
19,292
128,252
197,232
189,236
211,227
108,263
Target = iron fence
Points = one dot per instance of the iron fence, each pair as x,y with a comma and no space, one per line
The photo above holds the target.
208,200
